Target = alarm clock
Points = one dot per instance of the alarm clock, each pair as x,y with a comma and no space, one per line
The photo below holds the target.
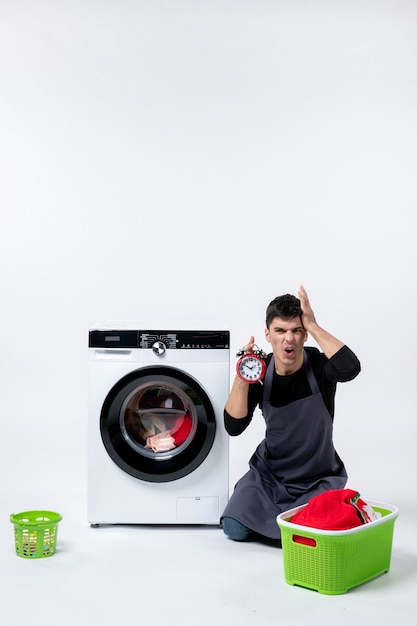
251,366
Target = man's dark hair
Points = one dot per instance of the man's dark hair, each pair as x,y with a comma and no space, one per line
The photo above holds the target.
286,307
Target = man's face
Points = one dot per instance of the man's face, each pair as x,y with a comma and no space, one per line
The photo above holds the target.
287,338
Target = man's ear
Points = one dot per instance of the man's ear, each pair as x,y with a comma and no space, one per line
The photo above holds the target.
267,335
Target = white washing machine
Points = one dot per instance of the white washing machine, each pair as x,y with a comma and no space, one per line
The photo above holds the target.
158,452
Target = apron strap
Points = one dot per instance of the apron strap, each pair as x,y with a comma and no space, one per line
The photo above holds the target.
268,378
310,375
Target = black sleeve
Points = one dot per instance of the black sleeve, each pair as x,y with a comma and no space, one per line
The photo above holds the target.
343,366
235,426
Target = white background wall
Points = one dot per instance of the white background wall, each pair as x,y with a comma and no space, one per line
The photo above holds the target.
193,159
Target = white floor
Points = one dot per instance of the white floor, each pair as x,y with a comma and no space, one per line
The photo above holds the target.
188,575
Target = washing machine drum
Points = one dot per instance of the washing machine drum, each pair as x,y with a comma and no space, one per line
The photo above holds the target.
158,424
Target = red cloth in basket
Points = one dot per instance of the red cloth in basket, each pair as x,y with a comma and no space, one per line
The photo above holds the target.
336,509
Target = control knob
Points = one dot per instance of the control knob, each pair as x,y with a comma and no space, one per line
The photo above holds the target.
159,348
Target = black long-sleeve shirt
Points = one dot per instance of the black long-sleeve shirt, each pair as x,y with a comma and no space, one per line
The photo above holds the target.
341,367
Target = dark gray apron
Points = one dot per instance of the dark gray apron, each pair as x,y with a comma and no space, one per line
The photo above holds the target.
294,462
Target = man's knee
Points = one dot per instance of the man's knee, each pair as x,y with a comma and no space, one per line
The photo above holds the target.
236,530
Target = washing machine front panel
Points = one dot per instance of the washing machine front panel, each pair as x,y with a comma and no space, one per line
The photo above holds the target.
193,485
158,424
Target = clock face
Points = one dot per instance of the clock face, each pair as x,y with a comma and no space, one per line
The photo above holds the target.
251,368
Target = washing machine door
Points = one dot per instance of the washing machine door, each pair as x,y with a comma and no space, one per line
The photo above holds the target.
158,424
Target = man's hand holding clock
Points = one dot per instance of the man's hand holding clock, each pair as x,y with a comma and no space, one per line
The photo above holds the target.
251,366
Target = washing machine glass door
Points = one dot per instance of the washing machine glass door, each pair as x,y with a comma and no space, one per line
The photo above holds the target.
158,424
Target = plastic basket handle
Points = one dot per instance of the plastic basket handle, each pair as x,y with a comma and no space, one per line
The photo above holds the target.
306,541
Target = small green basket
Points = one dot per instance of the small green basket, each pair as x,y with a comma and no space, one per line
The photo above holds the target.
332,562
35,533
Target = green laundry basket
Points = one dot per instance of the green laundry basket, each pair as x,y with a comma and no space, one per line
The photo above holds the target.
334,561
35,533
